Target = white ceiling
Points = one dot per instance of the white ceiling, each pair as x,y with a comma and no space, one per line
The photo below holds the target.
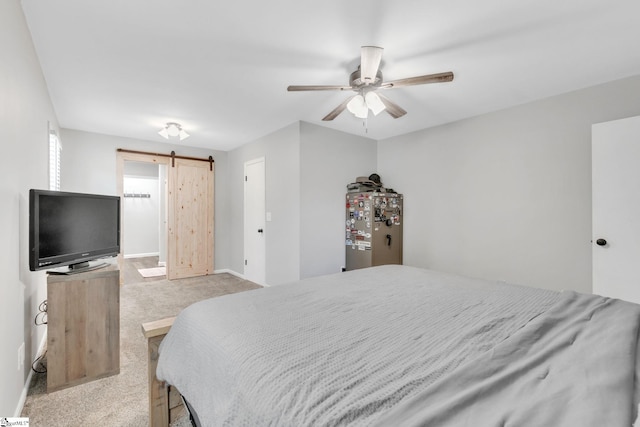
125,67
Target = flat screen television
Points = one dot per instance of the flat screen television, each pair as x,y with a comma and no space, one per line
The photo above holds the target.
71,229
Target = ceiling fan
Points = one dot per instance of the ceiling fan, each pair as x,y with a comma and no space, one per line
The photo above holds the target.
366,81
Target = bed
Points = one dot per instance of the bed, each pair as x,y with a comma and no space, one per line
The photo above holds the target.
397,345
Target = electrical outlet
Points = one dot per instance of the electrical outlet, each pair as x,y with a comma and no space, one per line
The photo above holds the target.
20,356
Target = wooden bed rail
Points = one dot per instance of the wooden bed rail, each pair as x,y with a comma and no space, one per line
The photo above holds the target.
165,404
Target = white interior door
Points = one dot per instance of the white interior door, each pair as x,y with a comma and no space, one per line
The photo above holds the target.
254,221
616,209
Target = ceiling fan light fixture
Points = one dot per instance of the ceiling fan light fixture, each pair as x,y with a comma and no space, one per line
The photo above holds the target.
358,107
374,103
366,80
370,57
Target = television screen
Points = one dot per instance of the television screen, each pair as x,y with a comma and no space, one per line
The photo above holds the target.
71,228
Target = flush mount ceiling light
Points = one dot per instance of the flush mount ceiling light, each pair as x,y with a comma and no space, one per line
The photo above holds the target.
173,129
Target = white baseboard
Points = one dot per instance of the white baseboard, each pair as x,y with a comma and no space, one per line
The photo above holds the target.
25,389
235,273
226,270
142,255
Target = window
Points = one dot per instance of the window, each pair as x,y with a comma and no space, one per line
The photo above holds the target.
54,161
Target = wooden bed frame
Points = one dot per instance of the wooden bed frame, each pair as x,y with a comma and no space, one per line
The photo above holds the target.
165,403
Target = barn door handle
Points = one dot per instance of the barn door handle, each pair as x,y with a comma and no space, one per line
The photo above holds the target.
601,242
260,230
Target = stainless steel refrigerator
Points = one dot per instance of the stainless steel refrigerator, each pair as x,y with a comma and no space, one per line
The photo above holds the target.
373,229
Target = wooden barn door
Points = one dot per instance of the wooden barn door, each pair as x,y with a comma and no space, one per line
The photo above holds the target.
190,219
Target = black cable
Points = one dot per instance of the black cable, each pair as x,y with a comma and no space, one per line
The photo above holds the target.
42,317
39,360
42,314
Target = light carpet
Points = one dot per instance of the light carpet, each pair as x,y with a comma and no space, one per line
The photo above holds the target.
122,400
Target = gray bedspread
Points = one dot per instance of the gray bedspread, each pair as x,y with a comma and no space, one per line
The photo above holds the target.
397,345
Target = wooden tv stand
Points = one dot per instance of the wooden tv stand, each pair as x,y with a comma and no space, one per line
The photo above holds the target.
83,327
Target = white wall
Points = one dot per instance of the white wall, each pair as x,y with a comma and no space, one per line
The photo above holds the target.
89,166
141,214
25,109
506,195
281,150
162,223
307,170
329,160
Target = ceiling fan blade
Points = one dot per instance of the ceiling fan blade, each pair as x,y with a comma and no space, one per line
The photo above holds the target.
420,80
339,109
311,87
392,108
370,57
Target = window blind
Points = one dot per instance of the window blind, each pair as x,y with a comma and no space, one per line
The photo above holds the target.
55,150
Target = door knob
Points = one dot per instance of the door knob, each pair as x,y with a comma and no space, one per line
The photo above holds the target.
601,242
260,230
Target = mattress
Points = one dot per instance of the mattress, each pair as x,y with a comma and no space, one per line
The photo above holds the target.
397,345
